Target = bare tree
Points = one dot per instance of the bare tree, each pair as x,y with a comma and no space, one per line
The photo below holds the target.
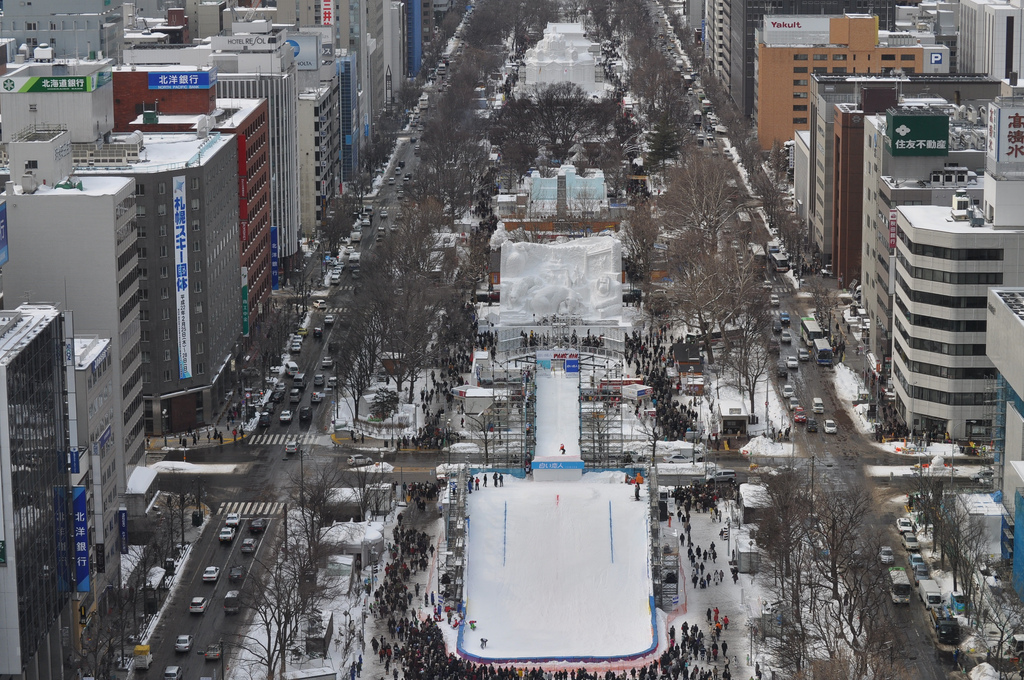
700,198
639,235
358,354
563,113
451,159
697,297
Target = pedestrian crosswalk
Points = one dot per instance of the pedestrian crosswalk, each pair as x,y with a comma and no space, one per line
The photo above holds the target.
335,310
271,439
251,508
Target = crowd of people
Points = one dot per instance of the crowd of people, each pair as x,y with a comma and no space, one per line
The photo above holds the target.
651,354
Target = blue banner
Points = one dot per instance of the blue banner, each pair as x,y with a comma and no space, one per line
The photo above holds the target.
3,235
80,523
182,80
572,365
122,523
76,467
274,261
558,465
60,531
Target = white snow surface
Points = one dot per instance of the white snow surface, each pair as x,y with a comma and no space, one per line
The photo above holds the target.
549,564
558,414
582,278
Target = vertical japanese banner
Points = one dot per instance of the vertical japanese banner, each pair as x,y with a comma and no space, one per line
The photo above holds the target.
275,281
245,301
122,523
80,524
893,227
60,530
181,279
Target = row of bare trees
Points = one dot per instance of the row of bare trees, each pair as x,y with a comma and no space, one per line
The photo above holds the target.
412,288
830,608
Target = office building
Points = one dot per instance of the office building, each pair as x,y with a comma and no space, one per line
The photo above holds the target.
896,172
86,30
319,176
87,234
827,91
170,99
190,282
793,48
990,38
41,567
732,25
1005,322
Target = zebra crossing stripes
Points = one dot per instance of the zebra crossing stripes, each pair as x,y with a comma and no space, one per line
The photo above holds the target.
271,439
335,310
251,508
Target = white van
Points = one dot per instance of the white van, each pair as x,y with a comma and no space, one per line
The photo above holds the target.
291,368
817,405
172,673
931,596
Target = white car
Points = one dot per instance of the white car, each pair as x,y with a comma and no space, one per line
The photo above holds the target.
786,336
328,319
788,391
696,457
830,427
359,460
792,362
903,525
183,643
326,362
886,555
285,417
227,534
233,519
211,574
336,277
197,605
774,300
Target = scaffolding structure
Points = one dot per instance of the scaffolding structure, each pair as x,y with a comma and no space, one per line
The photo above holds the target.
601,432
452,561
505,429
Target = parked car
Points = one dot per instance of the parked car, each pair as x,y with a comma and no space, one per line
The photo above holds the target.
910,541
788,391
265,419
886,555
326,362
359,460
781,370
211,574
903,524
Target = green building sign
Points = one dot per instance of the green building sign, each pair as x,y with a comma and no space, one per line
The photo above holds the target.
918,135
56,83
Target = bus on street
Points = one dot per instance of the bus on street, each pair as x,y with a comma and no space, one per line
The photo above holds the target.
780,262
822,352
900,585
810,330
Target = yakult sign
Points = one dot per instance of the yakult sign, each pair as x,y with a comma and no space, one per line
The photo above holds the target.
804,30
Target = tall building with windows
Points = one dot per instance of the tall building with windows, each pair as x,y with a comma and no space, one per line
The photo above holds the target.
946,260
792,48
731,26
40,569
87,29
190,284
85,230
